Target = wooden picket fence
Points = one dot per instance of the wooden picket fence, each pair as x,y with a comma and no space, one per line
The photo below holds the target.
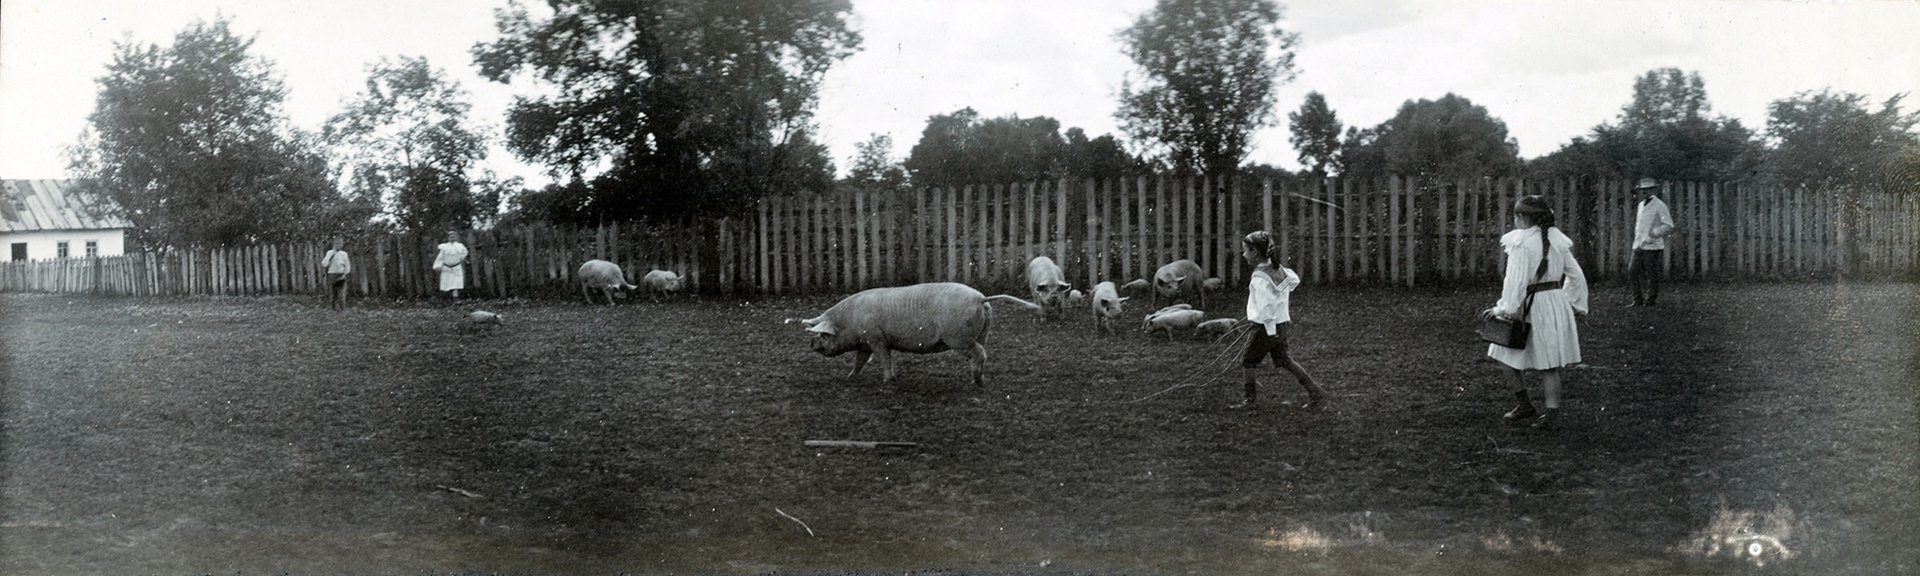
1394,231
1391,231
524,261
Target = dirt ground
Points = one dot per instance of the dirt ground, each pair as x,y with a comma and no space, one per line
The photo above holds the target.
1736,428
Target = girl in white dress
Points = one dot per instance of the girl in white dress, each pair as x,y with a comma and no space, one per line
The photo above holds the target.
451,263
1560,292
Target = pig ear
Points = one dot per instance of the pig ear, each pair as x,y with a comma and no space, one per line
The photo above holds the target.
1123,299
820,327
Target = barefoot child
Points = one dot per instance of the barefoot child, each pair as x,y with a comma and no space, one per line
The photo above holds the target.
1267,296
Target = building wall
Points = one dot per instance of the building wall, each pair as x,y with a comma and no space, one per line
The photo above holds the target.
45,244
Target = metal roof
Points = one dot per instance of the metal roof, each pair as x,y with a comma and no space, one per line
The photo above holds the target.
35,205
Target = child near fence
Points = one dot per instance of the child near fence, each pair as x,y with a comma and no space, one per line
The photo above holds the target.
338,266
1268,293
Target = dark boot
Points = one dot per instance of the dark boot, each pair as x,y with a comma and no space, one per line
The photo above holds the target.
1547,420
1524,411
1252,391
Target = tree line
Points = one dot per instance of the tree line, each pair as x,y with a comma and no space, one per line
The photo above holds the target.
693,108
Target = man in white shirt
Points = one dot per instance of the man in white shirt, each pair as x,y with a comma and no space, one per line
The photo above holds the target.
1650,229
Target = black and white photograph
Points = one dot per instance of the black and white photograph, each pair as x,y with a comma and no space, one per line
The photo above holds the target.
559,287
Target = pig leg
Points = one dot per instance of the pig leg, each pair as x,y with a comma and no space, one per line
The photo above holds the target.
885,358
976,363
859,361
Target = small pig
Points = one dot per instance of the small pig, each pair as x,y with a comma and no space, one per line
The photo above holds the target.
1179,280
478,317
662,283
1182,319
1106,306
1216,327
1136,286
604,277
1048,286
1213,284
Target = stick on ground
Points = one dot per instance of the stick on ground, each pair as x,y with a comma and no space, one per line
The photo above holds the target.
796,520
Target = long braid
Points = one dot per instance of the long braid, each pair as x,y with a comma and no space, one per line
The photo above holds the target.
1537,210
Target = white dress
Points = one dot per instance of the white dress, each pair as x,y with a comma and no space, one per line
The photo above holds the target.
450,263
1555,340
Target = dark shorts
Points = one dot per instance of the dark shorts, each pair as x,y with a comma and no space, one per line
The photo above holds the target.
1262,346
336,279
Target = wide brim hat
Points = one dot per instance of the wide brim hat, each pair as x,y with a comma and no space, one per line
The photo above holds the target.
1646,183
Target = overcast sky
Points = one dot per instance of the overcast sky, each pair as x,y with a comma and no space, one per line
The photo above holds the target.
1550,69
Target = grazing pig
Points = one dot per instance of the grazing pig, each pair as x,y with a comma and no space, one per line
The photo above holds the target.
920,319
478,317
1048,285
1180,279
1106,306
1216,327
1170,309
1169,320
1075,296
603,276
1213,284
662,283
1136,286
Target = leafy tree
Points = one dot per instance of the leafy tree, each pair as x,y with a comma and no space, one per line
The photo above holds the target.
1101,157
188,142
671,106
1316,134
407,147
874,167
1446,139
1828,140
960,148
1209,69
1667,131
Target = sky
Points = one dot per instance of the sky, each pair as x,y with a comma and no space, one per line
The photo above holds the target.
1550,69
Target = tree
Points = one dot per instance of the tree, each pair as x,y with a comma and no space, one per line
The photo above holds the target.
1209,69
874,167
408,148
1668,132
1447,139
673,106
960,148
1316,134
1101,157
188,142
1829,140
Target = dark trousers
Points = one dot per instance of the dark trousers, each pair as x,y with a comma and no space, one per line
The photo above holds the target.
1645,275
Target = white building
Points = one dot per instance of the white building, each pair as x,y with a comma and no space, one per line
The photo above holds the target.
38,221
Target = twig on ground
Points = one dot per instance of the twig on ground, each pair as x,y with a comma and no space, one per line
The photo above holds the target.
796,520
467,493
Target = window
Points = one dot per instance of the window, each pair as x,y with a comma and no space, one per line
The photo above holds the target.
19,251
93,248
60,250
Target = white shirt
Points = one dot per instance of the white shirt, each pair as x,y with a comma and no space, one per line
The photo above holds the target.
1651,227
337,262
1267,300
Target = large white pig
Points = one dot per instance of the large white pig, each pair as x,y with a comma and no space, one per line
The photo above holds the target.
1049,286
1179,279
920,319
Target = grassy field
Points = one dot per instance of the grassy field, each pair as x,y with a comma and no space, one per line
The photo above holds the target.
1736,428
